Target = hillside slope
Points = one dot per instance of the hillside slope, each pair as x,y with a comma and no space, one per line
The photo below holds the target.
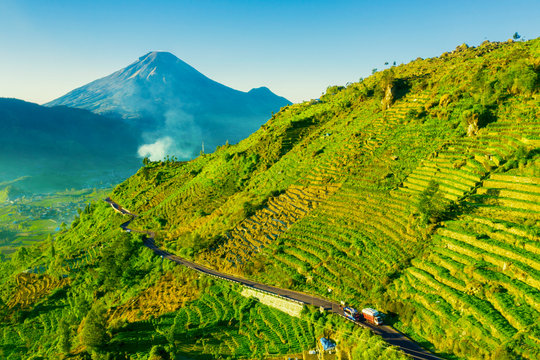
175,106
414,191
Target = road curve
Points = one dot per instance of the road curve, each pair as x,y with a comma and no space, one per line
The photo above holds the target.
388,333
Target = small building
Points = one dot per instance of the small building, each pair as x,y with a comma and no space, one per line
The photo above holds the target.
327,344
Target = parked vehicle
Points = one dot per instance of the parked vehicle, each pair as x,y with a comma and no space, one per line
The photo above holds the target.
372,316
351,313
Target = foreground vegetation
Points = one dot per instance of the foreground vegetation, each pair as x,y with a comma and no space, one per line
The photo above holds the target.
414,191
104,295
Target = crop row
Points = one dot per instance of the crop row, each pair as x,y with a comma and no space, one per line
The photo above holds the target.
482,310
31,287
261,229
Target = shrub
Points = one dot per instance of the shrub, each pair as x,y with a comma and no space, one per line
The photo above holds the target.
415,114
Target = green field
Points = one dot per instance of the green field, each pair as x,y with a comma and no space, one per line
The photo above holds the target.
32,218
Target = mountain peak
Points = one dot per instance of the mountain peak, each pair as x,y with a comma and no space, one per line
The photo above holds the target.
174,105
163,63
159,56
262,89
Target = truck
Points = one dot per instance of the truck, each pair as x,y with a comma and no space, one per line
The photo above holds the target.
352,314
372,316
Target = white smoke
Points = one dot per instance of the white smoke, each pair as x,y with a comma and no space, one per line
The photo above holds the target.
157,150
177,136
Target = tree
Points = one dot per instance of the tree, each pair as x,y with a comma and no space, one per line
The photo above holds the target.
64,339
79,305
21,256
52,251
431,204
115,262
158,353
249,209
387,89
94,334
516,36
110,270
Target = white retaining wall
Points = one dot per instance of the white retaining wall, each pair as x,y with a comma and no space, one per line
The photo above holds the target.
289,307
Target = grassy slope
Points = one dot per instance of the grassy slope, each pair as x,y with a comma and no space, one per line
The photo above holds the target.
331,194
398,209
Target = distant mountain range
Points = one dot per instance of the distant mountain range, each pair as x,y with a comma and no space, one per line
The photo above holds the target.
47,149
175,107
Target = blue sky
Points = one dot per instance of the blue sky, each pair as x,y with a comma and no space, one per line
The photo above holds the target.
296,48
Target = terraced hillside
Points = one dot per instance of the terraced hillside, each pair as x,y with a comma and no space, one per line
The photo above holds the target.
414,191
208,324
31,288
256,232
482,271
351,194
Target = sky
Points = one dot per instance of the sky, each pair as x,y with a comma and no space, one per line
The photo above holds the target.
295,48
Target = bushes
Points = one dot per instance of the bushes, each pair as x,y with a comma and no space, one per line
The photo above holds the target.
390,88
250,208
416,114
333,90
519,78
519,158
191,244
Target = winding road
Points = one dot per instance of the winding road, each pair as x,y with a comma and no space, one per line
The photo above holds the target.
388,333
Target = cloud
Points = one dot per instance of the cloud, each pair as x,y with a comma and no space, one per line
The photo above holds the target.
158,149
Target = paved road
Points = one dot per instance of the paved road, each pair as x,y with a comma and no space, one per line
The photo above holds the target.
388,333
